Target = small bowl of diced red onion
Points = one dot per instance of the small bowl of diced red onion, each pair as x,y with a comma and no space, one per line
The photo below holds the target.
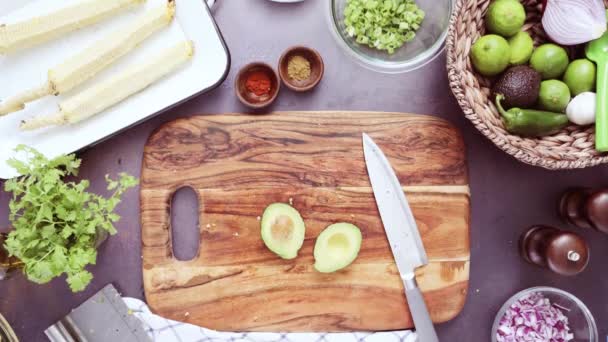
544,314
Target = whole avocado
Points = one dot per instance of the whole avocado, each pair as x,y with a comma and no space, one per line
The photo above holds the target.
520,86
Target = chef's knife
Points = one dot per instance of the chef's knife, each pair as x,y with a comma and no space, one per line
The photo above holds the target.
402,233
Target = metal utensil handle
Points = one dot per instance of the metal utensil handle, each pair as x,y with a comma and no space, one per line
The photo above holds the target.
420,313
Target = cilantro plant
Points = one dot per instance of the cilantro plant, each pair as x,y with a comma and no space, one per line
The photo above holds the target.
57,223
382,24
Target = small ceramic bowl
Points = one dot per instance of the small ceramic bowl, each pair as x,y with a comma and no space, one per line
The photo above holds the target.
249,98
317,68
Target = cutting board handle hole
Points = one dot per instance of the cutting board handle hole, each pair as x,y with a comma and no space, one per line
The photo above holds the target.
185,232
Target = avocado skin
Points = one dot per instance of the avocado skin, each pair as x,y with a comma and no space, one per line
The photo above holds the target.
520,85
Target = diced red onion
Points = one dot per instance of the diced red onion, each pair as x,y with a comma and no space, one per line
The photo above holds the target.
571,22
533,318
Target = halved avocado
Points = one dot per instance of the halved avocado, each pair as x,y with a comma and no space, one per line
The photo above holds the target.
337,247
283,230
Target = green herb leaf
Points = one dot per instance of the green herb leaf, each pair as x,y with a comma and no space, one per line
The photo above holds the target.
56,223
40,272
78,281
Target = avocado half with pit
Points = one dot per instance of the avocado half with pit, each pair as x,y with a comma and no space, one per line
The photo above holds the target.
283,230
337,247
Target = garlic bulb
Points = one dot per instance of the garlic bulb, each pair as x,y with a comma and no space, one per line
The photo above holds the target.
581,110
571,22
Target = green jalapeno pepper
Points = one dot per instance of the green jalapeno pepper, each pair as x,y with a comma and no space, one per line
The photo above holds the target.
529,122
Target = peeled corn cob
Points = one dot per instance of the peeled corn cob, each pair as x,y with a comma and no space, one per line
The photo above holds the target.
116,89
86,64
41,29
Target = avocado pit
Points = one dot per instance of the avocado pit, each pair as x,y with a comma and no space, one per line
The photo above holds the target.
282,228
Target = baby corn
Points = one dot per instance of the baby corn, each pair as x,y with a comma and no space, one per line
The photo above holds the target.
92,60
41,29
116,89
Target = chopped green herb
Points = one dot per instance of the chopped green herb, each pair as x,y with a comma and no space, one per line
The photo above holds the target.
57,223
382,24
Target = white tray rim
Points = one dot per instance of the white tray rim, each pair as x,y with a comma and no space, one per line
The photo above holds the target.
5,169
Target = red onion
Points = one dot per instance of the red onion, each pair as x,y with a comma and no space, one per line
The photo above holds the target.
533,318
571,22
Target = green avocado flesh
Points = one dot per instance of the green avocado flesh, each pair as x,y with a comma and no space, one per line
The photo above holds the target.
283,230
337,247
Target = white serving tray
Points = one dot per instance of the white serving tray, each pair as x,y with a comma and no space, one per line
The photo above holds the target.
28,68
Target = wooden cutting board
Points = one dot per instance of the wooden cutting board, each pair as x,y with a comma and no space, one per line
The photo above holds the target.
238,164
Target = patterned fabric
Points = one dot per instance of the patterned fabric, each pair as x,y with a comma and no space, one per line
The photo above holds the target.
164,330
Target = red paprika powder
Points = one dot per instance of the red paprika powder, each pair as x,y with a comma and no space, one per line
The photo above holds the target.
258,83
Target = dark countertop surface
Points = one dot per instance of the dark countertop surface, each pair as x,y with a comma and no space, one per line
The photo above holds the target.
507,196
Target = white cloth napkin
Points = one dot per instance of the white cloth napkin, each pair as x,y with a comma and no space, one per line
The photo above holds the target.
164,330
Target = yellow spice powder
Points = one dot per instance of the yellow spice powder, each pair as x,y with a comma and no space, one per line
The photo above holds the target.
298,68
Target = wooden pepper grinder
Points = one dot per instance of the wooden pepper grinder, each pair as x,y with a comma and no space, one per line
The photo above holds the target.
562,252
585,208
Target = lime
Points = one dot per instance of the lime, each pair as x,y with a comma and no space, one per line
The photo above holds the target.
550,60
580,76
522,47
554,96
490,54
505,18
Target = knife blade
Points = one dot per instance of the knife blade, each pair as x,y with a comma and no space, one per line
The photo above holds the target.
402,233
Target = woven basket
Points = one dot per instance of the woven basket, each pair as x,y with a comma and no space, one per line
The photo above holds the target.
572,148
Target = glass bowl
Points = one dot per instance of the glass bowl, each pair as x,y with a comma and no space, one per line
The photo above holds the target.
428,43
581,321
